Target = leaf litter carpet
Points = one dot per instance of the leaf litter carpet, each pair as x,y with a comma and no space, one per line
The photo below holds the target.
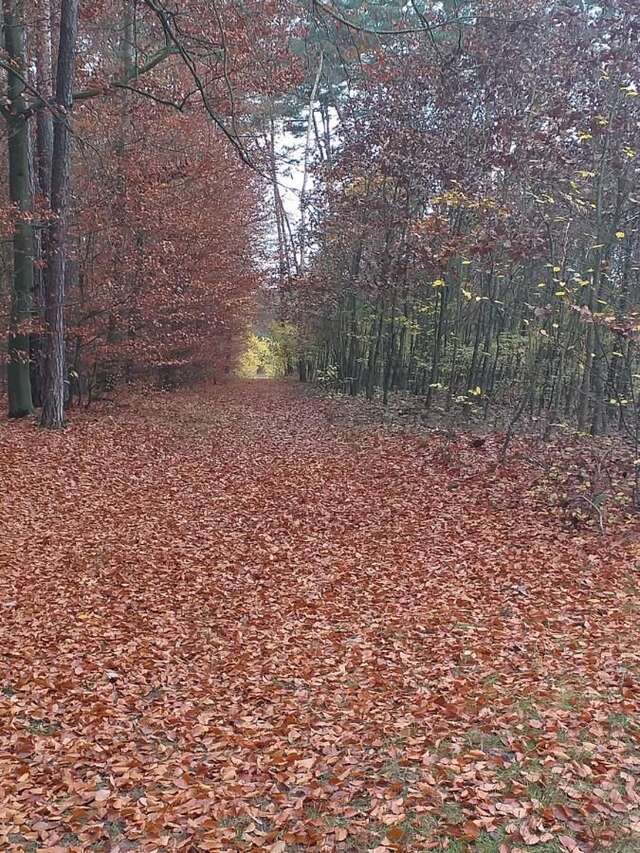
241,620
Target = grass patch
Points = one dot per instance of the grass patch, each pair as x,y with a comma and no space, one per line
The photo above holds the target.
580,754
394,771
569,699
452,813
361,803
22,843
546,793
42,727
483,740
528,708
336,820
239,824
620,721
114,828
510,772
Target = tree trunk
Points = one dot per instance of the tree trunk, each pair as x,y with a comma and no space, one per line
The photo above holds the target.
18,372
53,408
435,360
43,156
305,169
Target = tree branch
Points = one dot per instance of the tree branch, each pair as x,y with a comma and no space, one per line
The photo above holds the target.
156,59
425,28
164,17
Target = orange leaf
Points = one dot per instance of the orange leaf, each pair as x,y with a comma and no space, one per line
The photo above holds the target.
395,833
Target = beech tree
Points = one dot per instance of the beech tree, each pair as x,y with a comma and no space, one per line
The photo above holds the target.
190,61
15,112
468,208
53,404
476,230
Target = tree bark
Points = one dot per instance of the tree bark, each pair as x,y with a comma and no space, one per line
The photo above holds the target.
53,408
43,157
18,373
305,170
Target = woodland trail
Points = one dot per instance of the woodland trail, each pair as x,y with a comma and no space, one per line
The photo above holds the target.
241,621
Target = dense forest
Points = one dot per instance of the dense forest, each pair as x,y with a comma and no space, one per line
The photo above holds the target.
131,223
320,426
476,227
466,192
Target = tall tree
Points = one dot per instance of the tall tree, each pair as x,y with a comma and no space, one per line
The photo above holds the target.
53,403
20,193
43,159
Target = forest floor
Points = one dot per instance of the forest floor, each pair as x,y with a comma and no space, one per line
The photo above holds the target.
239,620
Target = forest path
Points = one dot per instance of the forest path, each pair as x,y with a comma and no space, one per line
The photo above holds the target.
237,619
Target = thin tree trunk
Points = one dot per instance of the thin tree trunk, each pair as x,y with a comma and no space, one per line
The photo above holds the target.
435,360
305,172
284,267
374,351
43,157
391,347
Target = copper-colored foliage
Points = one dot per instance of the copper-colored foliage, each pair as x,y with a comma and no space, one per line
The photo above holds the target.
229,622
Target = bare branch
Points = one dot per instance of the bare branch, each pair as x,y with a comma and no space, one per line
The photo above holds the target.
423,29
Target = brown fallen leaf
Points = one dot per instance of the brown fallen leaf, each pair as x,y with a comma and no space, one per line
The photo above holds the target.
102,794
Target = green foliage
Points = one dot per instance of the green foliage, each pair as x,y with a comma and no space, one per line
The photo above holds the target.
282,342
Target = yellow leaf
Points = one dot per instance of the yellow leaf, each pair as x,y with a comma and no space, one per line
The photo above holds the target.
439,282
620,235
